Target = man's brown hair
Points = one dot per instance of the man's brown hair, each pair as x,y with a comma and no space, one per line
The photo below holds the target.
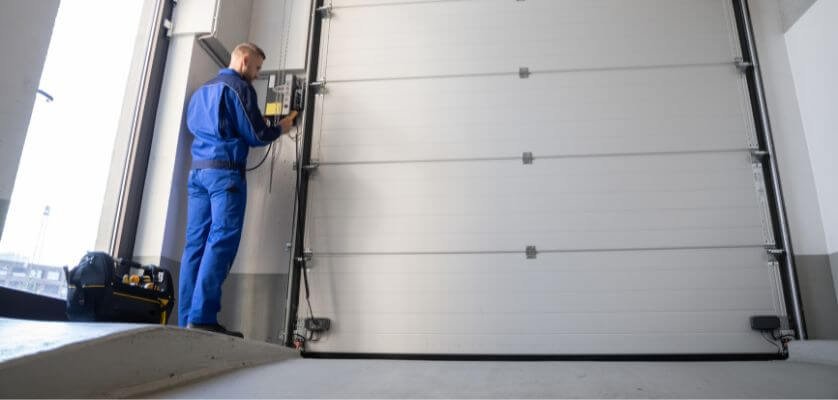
248,48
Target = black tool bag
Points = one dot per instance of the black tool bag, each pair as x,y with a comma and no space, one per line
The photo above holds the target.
103,289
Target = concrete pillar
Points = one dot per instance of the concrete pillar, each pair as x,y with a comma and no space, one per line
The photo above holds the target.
25,32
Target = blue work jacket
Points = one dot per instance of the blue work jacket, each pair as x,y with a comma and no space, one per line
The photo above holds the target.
226,121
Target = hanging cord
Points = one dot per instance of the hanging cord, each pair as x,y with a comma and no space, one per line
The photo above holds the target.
262,161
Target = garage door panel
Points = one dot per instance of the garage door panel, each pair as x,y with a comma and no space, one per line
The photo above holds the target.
622,183
472,205
492,36
549,323
442,264
548,282
638,296
360,222
545,223
506,241
350,203
584,301
700,108
417,189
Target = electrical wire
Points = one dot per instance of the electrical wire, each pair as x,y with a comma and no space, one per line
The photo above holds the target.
262,161
270,147
772,342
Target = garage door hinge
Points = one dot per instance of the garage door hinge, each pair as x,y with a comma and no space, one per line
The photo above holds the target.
169,26
325,11
312,165
307,255
775,251
742,65
531,252
318,87
758,156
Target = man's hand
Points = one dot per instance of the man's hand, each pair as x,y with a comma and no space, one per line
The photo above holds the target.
287,122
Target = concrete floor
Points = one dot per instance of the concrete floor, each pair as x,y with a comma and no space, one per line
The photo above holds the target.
311,378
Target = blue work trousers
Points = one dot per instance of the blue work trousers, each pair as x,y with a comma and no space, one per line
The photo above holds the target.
215,216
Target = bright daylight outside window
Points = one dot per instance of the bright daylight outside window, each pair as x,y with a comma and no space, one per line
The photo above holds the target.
56,204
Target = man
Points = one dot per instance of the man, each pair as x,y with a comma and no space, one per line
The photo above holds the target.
226,121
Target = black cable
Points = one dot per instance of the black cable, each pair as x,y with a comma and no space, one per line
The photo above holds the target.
263,158
268,151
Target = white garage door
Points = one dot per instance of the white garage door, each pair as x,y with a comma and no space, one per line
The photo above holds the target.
610,137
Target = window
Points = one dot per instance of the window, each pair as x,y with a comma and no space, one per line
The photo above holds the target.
56,204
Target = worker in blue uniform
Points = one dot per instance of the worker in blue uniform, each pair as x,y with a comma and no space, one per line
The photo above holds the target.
225,120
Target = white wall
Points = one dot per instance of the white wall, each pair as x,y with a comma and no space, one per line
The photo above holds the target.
813,50
25,32
280,27
228,19
814,272
792,152
792,10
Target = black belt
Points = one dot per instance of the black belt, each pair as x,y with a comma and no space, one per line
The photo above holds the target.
218,164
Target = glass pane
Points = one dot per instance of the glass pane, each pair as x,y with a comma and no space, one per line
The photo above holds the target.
56,204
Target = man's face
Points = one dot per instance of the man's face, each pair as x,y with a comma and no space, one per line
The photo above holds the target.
252,66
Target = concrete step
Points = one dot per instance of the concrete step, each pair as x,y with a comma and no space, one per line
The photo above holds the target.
63,359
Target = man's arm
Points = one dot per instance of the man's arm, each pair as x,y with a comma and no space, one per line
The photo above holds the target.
248,120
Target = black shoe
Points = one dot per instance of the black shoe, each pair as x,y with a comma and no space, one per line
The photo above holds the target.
217,328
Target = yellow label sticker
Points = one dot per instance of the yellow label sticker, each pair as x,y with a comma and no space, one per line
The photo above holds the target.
272,109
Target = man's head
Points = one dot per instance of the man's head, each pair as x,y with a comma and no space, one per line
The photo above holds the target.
247,60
